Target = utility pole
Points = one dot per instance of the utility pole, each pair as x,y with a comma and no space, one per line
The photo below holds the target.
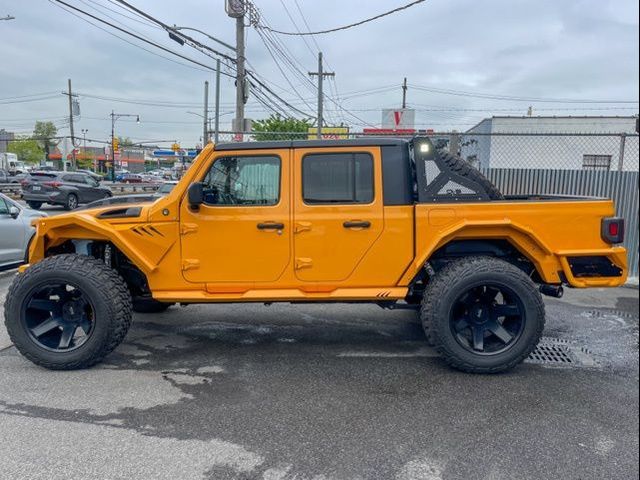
73,155
217,111
240,79
205,131
320,74
404,93
114,117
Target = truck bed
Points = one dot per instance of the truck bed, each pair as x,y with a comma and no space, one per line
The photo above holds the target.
557,233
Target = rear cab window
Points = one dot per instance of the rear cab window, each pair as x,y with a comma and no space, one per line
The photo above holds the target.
337,178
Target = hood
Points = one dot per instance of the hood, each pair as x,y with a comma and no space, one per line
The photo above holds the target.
123,200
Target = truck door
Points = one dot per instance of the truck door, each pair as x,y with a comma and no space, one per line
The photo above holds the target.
242,231
338,211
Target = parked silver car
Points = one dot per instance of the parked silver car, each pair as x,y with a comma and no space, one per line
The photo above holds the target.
15,231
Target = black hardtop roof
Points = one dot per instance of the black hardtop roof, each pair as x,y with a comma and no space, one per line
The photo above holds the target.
355,142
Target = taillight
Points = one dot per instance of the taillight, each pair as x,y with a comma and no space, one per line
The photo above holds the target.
52,184
612,230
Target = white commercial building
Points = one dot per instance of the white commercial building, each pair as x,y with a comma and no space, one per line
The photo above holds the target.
589,143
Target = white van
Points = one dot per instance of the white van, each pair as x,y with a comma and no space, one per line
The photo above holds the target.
10,163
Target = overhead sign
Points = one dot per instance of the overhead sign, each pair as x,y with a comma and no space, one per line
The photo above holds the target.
398,119
172,153
329,133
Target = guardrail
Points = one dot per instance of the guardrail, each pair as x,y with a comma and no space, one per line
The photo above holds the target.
11,189
127,188
14,190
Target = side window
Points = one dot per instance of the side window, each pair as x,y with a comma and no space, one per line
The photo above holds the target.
337,178
246,180
89,181
4,208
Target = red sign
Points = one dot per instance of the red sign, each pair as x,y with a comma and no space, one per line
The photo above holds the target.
388,131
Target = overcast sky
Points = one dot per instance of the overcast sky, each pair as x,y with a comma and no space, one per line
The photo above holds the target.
533,49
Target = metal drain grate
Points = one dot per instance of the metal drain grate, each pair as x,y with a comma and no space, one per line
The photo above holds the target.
545,353
558,352
611,313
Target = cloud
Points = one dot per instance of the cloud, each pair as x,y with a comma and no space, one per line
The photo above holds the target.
540,48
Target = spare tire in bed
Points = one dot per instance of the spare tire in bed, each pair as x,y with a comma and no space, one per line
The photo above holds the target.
446,178
464,168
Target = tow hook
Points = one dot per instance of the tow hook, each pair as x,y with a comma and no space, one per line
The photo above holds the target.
552,290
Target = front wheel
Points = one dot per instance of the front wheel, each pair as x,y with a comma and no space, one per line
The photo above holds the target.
58,315
35,205
483,315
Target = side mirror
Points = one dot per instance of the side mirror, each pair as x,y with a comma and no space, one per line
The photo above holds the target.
14,212
196,195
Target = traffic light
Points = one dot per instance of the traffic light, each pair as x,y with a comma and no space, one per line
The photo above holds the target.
175,147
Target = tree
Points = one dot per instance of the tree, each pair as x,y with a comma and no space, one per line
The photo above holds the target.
291,128
43,132
27,149
125,142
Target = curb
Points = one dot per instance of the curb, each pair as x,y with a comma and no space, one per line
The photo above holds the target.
8,273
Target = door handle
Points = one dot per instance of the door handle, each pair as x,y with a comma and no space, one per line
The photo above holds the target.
270,226
356,224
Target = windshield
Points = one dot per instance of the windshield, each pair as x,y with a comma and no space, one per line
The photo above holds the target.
166,188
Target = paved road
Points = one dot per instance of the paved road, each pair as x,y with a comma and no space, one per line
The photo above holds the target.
326,392
50,210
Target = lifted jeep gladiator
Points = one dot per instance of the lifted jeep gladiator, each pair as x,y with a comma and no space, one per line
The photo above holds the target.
387,221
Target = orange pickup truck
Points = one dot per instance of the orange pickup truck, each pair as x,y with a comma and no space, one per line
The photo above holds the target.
385,221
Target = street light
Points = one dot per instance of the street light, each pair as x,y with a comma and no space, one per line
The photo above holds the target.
8,17
176,38
204,140
114,117
84,145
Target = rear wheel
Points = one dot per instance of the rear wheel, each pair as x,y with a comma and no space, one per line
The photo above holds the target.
482,314
35,205
72,202
58,316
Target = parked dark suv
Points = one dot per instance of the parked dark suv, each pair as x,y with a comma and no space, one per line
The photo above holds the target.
69,189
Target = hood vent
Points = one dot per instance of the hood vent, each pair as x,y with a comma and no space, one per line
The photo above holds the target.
124,212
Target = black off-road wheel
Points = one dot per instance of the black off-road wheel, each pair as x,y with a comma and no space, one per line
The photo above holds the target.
149,305
482,314
67,312
35,205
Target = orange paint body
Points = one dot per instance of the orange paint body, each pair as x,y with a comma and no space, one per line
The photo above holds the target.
216,254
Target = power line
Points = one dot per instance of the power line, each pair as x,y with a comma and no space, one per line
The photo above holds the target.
138,20
491,96
194,42
345,27
26,96
138,37
176,32
28,100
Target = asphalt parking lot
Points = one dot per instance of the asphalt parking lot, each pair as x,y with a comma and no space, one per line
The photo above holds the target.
327,392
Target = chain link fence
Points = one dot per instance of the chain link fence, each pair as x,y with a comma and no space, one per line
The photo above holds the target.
560,151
